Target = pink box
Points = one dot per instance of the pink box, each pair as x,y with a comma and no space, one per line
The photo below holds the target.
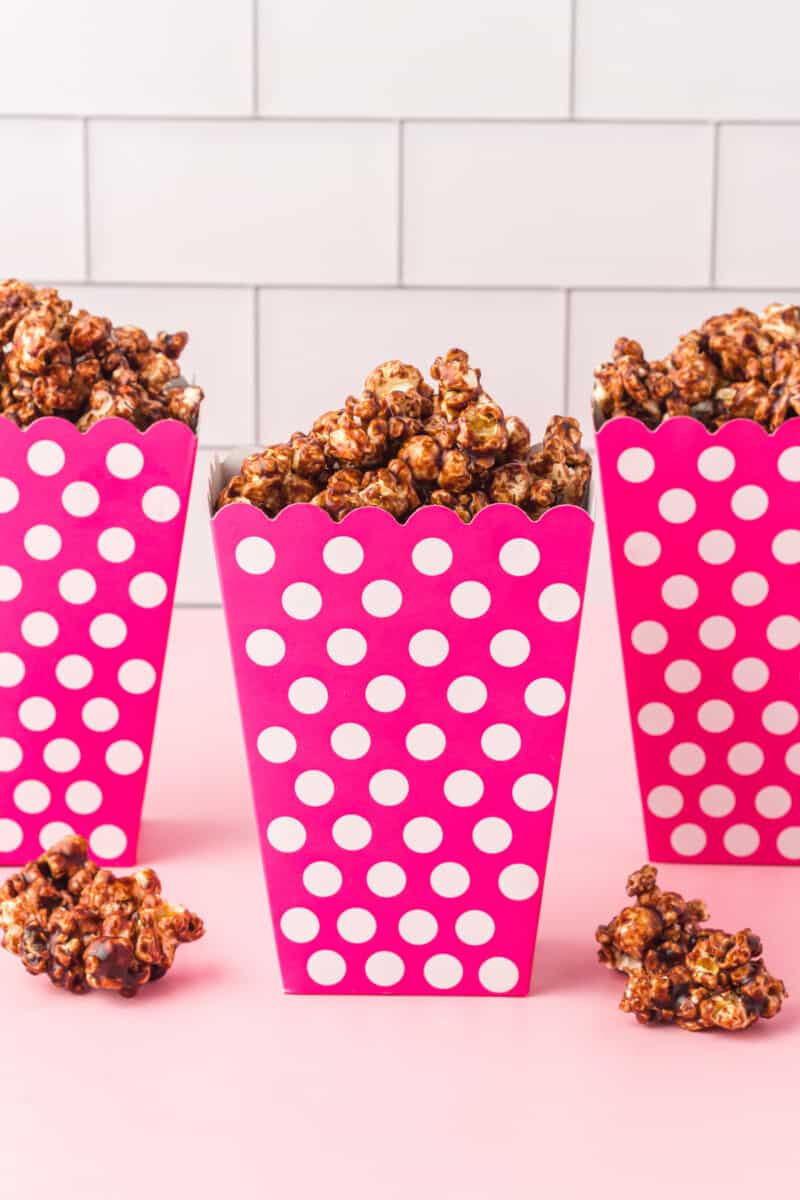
91,526
704,530
404,693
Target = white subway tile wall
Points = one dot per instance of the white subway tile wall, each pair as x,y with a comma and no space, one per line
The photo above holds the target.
310,188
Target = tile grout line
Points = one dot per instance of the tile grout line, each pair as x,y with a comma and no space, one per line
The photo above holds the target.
254,48
390,118
401,173
573,39
257,365
542,289
87,212
566,350
712,265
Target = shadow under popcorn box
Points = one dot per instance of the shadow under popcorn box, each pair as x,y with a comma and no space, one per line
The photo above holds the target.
404,693
91,526
704,534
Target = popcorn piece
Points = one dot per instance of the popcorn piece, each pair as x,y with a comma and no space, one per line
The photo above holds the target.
680,972
86,928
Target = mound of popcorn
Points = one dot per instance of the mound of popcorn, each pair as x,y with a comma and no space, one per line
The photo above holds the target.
738,364
680,972
403,443
59,363
86,928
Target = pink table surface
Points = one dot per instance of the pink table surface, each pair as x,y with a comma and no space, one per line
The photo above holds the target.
214,1083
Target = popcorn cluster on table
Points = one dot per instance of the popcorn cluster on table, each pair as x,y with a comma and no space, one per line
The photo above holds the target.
680,972
87,928
402,444
57,362
738,364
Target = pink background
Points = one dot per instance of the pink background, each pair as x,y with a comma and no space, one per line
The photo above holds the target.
213,1079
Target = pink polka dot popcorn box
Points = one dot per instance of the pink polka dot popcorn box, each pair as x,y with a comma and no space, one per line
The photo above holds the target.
704,532
91,526
404,692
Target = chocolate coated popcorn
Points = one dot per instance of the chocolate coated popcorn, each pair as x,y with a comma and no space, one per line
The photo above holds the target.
84,927
680,972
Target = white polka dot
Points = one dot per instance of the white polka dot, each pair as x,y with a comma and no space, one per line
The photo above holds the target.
425,742
147,590
688,839
326,967
717,800
749,502
388,787
356,925
265,647
649,637
322,879
418,927
545,697
679,591
116,545
475,927
42,542
677,506
10,583
715,716
789,464
467,694
385,693
642,549
780,717
687,758
463,788
46,458
62,755
559,602
432,556
346,647
716,547
9,495
773,802
302,601
37,713
54,832
100,715
636,465
350,740
314,788
789,842
10,835
443,971
386,879
749,588
492,835
717,633
519,556
108,841
255,555
276,744
509,648
352,832
124,461
786,547
74,672
750,674
470,599
299,925
500,742
77,586
745,758
716,464
741,840
286,834
381,598
423,835
449,879
161,503
532,792
428,648
384,968
792,759
518,882
31,796
39,629
124,757
80,499
83,796
784,632
136,676
342,555
308,695
12,669
665,801
655,718
108,631
498,974
10,754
